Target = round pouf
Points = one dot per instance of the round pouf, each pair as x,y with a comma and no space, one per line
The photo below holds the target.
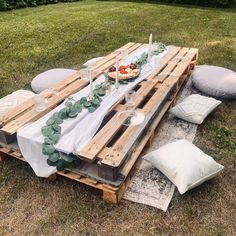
48,78
215,81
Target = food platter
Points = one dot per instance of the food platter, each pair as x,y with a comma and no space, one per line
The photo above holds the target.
125,73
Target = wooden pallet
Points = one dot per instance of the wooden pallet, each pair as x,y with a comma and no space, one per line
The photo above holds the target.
115,150
113,144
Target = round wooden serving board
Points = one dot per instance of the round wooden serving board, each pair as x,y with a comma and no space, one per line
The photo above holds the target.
124,77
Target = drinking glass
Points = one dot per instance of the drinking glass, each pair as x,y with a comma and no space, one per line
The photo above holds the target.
131,116
84,74
39,102
50,94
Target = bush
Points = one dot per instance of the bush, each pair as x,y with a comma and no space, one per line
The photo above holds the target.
211,3
11,4
206,3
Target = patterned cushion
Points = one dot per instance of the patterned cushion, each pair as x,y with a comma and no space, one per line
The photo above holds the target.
195,108
14,99
48,78
215,81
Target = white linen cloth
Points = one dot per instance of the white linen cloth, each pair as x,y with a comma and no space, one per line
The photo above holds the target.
76,132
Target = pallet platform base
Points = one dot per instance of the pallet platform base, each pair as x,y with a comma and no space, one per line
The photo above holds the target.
115,150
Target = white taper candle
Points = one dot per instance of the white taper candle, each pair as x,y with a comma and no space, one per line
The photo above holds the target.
91,84
117,72
150,48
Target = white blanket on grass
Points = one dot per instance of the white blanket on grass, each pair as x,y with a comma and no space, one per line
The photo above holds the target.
76,132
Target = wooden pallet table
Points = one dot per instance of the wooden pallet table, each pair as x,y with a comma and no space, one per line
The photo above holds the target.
110,159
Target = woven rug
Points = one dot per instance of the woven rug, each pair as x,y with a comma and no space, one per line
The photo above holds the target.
149,186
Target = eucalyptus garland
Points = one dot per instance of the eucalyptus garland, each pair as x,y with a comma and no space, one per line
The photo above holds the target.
52,130
144,56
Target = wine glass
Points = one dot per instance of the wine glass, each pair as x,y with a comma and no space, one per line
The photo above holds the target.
131,116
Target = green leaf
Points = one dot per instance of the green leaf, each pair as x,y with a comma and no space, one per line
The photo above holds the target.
66,158
83,100
48,141
56,128
101,92
88,104
61,164
98,98
50,163
69,104
48,149
91,109
96,102
53,157
73,113
58,120
46,130
77,105
55,115
95,92
63,113
54,137
50,121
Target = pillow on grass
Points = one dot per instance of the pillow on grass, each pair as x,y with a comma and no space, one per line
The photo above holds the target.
195,108
184,164
215,81
92,61
49,78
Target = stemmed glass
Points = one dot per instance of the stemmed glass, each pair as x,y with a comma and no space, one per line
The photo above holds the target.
131,116
121,57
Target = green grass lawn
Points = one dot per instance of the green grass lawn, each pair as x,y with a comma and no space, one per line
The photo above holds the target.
65,35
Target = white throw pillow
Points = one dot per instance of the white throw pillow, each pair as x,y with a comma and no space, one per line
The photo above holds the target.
184,164
195,108
92,61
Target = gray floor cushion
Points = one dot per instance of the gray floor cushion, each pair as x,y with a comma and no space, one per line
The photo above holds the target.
48,78
215,81
92,61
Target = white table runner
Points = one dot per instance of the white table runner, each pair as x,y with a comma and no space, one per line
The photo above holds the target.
76,132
